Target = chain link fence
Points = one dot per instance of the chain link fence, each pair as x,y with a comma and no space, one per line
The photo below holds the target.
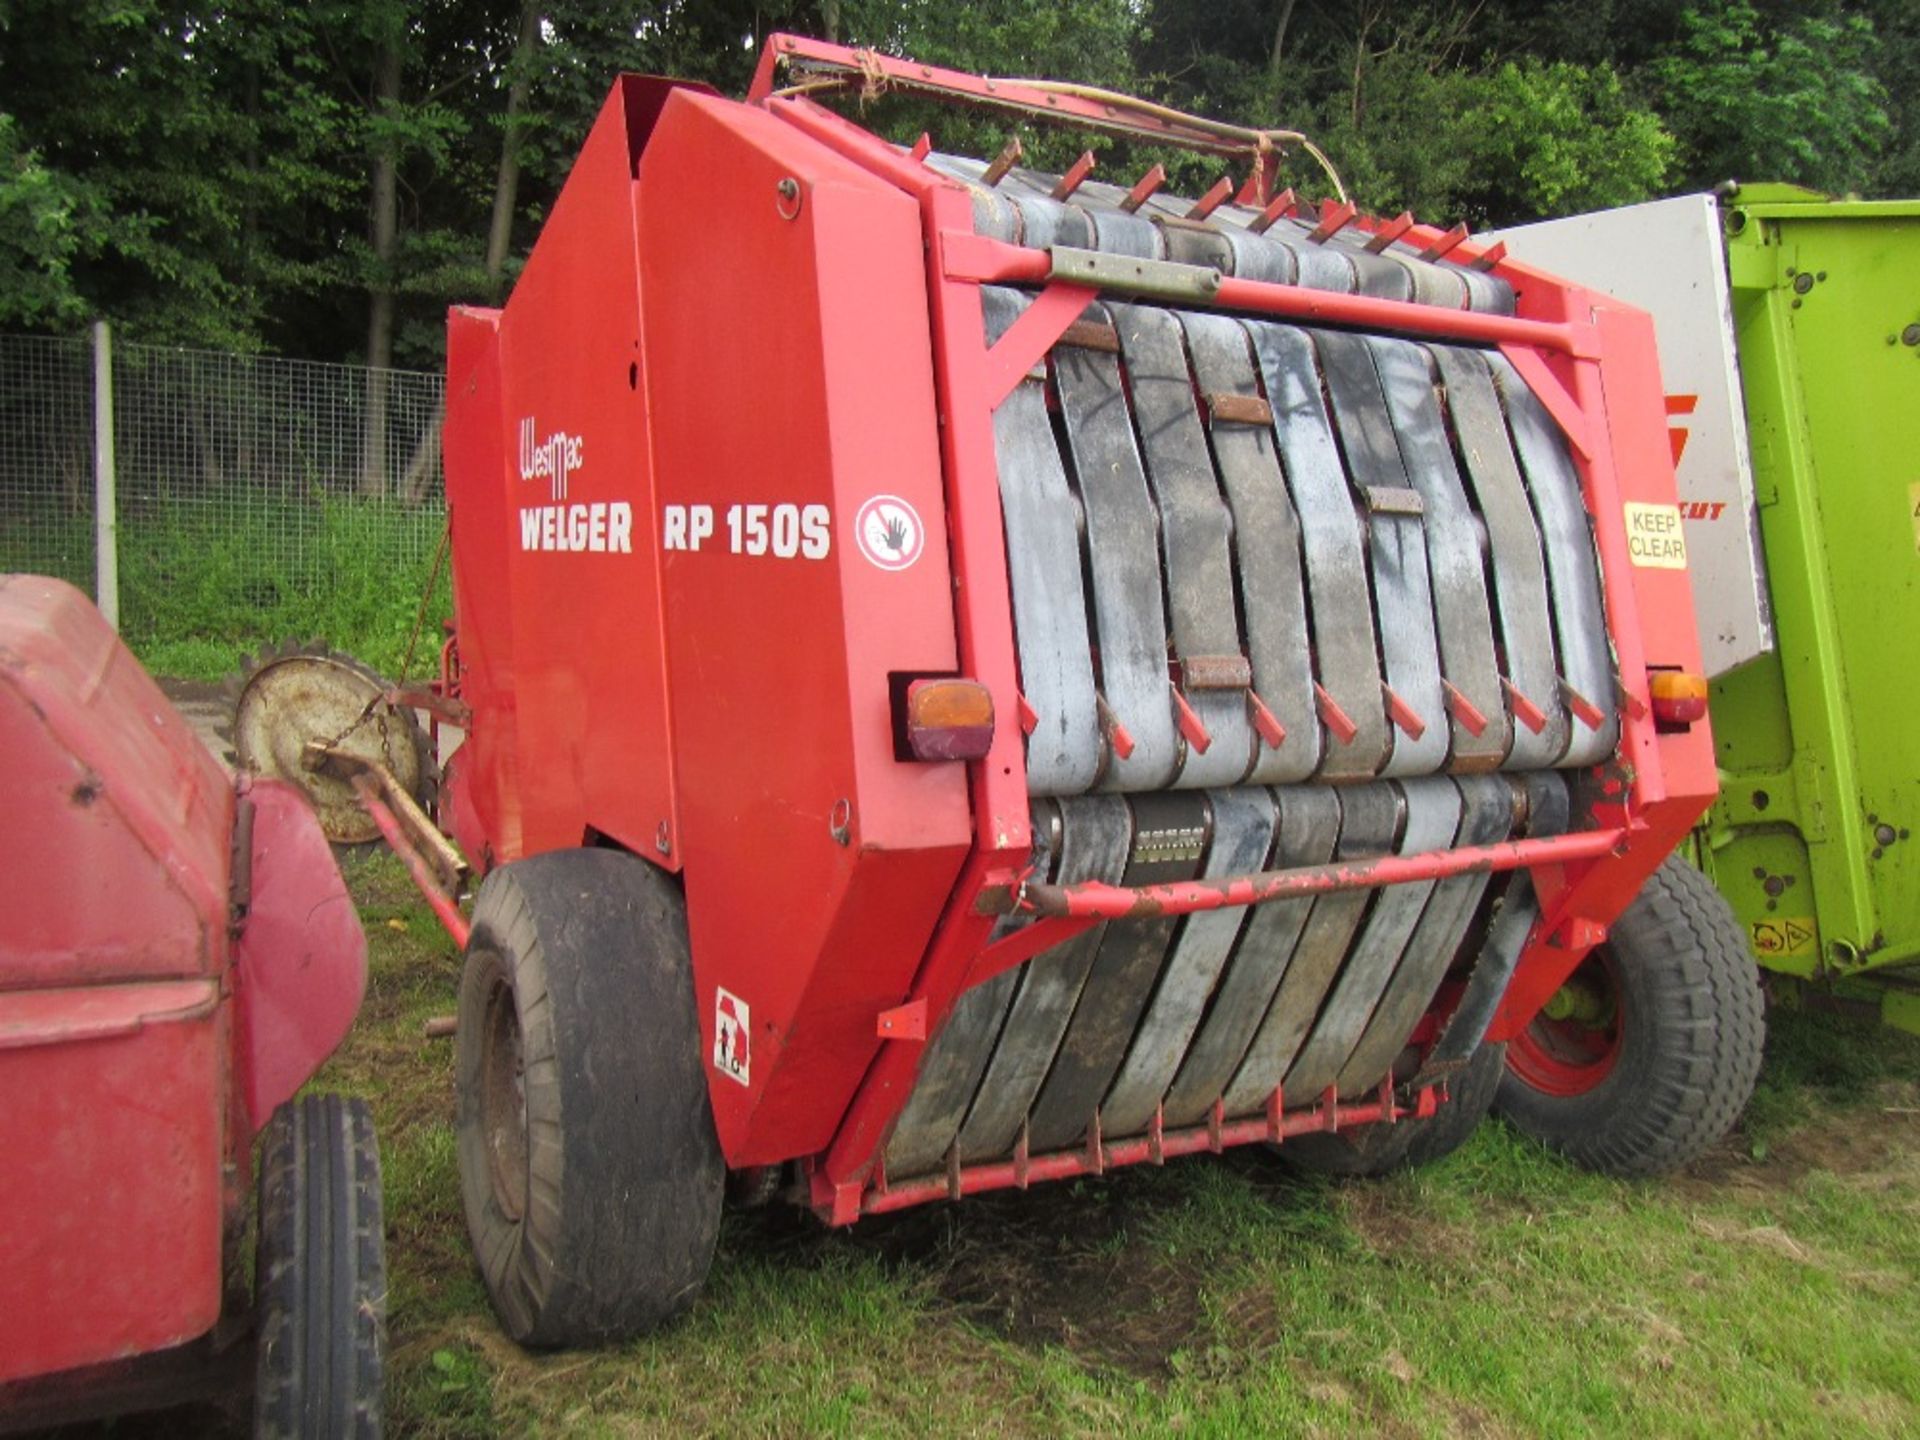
258,499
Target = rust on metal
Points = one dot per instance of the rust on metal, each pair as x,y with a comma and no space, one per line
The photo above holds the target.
1008,157
1143,189
1071,181
1216,672
1394,500
1092,335
1227,409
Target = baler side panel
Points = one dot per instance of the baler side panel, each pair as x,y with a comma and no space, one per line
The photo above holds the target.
481,795
594,742
793,386
1813,836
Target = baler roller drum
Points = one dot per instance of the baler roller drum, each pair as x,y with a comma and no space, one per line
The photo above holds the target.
1168,1017
1338,553
1399,556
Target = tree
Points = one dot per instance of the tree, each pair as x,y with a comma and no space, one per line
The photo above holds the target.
1787,99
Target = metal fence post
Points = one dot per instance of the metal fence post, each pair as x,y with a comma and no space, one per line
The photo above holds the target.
106,558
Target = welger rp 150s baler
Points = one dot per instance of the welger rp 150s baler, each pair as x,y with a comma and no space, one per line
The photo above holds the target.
977,677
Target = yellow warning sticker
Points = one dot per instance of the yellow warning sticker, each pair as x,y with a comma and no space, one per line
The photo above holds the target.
1913,508
1784,938
1654,537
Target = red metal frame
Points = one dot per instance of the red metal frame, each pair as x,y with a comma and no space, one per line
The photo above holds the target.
1589,876
179,956
1591,363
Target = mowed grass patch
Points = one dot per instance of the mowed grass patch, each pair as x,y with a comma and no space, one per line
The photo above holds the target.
1768,1289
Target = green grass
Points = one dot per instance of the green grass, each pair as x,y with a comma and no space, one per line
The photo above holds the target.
1770,1289
204,581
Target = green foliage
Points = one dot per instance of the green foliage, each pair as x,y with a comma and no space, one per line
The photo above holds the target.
1794,100
205,581
37,240
1567,138
202,172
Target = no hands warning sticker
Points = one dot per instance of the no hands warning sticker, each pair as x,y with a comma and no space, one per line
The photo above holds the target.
889,532
1654,538
731,1036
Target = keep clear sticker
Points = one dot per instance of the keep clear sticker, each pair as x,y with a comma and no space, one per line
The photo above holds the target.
1654,537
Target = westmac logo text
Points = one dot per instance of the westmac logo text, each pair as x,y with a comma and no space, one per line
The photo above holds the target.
599,526
557,457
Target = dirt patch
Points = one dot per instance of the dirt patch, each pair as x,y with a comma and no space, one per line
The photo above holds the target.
1867,1140
1390,1225
1053,1267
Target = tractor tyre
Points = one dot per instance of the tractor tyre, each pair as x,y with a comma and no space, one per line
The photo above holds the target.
1369,1150
319,1275
590,1172
1648,1054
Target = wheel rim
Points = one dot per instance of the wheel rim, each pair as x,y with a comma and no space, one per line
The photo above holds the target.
503,1102
1574,1043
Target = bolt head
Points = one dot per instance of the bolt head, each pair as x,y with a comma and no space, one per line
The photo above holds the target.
1910,335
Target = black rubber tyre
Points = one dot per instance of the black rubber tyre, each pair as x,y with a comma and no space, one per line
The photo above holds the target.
1685,1034
320,1275
589,1168
1380,1149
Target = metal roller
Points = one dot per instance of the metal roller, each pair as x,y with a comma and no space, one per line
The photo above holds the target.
1370,819
1049,605
1527,646
1243,830
1573,573
1308,830
1487,818
1096,834
1477,715
1433,818
1169,838
1397,555
958,1055
1265,534
1195,530
1340,597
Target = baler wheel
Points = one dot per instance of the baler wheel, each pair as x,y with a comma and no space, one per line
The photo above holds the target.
1370,1150
289,695
590,1171
320,1274
1647,1057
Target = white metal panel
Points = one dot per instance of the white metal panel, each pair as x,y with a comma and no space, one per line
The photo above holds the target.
1667,257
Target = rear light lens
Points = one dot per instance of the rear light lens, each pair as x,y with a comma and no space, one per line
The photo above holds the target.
1679,696
949,719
